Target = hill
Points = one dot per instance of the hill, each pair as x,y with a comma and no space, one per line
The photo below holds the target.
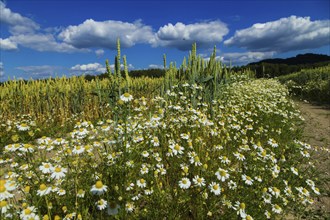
277,67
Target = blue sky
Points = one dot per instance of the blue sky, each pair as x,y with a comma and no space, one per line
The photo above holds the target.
51,38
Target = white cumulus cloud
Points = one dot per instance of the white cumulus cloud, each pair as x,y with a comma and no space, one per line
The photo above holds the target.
104,34
156,66
43,71
89,68
99,52
283,35
182,36
16,22
244,57
7,44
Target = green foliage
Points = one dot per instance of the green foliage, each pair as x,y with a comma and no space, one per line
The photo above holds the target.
310,84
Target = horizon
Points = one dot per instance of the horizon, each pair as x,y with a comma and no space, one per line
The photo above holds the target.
42,39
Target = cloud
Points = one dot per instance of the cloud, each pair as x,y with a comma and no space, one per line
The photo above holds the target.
244,57
16,22
7,44
42,42
283,35
2,70
99,52
182,36
104,34
43,71
155,66
89,68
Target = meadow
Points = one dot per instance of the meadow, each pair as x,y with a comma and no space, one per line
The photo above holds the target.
200,143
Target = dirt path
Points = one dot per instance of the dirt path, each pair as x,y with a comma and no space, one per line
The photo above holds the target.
317,133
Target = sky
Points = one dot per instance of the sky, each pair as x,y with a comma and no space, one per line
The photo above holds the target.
44,38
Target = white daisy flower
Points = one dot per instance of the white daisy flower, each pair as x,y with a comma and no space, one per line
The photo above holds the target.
46,168
215,188
294,170
141,183
277,209
58,172
43,190
126,97
248,180
222,174
129,207
101,204
184,183
23,127
99,188
199,181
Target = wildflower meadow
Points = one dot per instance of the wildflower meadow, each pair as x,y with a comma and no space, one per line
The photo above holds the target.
208,144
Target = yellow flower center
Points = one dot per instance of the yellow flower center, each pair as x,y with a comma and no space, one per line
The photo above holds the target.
216,187
142,181
2,189
184,181
27,211
127,95
223,173
47,166
3,203
196,158
99,184
42,187
58,169
199,180
277,206
242,205
177,147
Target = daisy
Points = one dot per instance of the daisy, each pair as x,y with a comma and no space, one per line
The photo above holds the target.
98,188
4,206
294,170
184,183
248,180
148,191
241,209
176,149
272,143
58,172
224,160
215,188
145,154
28,213
232,185
4,194
155,141
101,204
199,181
275,191
194,159
144,169
129,207
43,190
239,156
78,149
23,127
222,174
141,183
46,168
276,209
126,97
61,192
113,208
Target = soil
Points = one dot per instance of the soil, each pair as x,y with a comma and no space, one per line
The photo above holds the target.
317,133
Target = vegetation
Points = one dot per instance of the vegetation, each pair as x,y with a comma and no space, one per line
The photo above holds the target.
200,142
270,68
310,84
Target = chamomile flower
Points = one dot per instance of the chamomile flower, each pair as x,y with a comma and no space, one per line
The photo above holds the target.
43,190
129,207
126,97
23,127
101,204
199,181
4,206
78,149
46,168
224,160
294,170
58,172
239,156
215,188
4,194
277,209
141,183
222,175
81,193
248,180
176,149
28,213
99,188
61,192
184,183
